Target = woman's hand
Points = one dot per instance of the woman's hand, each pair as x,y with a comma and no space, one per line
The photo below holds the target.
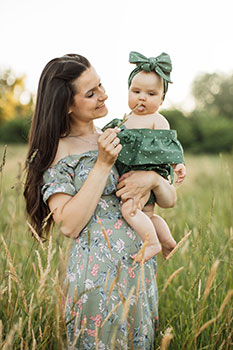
108,147
136,184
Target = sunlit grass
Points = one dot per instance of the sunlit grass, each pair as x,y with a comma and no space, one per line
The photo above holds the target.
195,284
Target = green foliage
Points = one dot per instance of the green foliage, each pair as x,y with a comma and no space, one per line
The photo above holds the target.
179,122
31,274
214,94
201,132
15,130
212,134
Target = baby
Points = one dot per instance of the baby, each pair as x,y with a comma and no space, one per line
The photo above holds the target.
149,144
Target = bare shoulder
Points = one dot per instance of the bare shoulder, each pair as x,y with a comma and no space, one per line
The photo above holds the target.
160,122
62,150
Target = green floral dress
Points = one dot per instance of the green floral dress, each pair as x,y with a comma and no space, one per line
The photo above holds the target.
102,280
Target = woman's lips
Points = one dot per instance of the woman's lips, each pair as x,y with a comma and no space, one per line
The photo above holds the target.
102,106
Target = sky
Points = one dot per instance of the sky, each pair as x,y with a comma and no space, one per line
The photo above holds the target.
197,34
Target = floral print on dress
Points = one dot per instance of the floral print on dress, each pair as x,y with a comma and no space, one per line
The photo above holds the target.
100,276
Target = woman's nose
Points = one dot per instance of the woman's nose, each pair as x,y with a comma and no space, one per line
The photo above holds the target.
103,96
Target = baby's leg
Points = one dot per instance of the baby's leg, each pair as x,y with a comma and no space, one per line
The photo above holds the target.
142,224
164,234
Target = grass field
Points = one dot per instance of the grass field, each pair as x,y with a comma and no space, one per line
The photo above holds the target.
195,284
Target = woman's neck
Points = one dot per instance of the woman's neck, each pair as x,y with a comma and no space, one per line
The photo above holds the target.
82,129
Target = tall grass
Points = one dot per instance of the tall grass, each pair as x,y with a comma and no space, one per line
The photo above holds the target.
195,283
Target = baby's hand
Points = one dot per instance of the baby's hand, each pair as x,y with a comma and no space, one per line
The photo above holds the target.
180,171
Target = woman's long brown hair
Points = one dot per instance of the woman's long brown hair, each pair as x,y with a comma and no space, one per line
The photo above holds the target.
50,122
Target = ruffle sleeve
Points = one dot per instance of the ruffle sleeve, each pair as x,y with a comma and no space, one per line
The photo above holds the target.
59,178
145,146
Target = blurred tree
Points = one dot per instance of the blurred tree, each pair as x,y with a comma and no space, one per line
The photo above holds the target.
214,93
15,100
182,124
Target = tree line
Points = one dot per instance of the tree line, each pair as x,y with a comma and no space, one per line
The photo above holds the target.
208,128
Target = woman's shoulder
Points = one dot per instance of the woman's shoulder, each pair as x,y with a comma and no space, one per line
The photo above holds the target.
62,151
68,151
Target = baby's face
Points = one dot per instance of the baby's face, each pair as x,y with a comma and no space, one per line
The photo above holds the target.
146,89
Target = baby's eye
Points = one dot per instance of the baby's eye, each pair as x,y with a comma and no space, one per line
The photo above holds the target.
151,93
136,91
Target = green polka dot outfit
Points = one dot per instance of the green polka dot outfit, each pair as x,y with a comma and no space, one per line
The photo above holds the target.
147,149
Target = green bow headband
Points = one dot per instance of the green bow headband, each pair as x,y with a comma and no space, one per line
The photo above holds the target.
161,65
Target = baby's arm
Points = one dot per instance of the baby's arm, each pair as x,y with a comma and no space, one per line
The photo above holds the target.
180,171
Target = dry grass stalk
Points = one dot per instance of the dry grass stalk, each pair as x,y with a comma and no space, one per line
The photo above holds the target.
166,339
110,313
126,305
47,270
45,221
39,263
199,290
139,257
14,274
114,282
205,325
126,117
10,337
2,292
3,159
30,314
33,341
106,281
179,244
1,332
222,307
36,236
225,302
106,238
171,277
9,288
210,279
82,330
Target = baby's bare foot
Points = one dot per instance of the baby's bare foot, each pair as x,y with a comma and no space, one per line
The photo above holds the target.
147,252
167,247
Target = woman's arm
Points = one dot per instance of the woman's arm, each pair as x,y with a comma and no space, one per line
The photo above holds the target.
73,213
135,184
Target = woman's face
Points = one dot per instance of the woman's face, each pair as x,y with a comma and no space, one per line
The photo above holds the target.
89,98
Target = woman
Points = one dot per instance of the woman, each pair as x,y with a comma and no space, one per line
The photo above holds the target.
71,174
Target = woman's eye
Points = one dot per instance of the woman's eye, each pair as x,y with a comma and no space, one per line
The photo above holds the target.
90,94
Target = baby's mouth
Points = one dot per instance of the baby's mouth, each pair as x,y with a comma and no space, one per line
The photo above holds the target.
141,108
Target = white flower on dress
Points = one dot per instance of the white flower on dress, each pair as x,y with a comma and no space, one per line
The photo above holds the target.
151,291
89,284
130,234
119,246
101,305
145,329
84,298
71,277
103,204
133,299
101,345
